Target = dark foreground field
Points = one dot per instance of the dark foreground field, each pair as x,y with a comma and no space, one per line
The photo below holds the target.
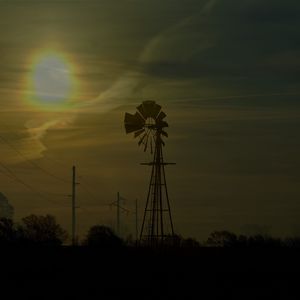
205,273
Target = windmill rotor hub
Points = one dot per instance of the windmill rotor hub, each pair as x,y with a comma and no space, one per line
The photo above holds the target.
146,123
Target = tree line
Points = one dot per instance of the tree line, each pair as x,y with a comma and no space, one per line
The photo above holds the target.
45,231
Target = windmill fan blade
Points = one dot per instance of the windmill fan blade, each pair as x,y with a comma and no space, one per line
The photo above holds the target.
139,132
151,146
161,116
149,109
142,139
133,122
148,125
152,108
146,144
162,124
164,133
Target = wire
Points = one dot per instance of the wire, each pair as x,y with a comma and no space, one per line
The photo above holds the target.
5,173
34,164
83,186
14,177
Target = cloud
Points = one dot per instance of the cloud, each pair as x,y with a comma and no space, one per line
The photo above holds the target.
252,45
248,41
37,131
182,34
232,44
123,89
24,144
117,94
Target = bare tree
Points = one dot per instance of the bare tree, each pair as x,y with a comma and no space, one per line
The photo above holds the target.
42,230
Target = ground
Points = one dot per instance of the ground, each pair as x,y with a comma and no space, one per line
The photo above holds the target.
208,273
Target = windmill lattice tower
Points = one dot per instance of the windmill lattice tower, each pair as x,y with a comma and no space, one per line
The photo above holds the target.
148,125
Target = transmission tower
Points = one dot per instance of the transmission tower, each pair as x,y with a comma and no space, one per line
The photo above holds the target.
148,124
120,208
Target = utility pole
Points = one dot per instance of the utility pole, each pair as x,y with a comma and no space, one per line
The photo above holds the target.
118,214
117,203
136,220
74,206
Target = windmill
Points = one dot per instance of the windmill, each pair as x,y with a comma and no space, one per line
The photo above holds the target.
148,126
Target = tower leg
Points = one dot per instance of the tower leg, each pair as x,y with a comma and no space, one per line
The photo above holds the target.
157,220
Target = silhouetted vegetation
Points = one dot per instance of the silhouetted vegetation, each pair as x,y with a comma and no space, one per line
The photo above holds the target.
9,233
102,236
214,266
42,230
228,239
33,230
178,241
36,230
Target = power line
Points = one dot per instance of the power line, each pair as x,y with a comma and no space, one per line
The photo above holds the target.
74,183
35,165
85,187
14,177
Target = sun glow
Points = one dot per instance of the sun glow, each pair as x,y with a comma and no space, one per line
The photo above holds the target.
52,85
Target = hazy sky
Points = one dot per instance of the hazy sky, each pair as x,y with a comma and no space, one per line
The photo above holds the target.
226,73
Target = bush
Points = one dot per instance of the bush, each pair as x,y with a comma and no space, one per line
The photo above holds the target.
222,239
102,236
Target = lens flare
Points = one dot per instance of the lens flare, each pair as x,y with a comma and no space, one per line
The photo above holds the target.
51,82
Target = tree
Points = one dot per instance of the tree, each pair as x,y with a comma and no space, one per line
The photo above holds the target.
42,230
190,243
228,239
8,232
102,236
222,239
293,242
6,209
264,241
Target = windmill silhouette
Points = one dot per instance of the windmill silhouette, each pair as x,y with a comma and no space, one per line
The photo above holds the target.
148,125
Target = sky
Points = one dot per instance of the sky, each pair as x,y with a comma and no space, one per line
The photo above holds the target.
226,73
